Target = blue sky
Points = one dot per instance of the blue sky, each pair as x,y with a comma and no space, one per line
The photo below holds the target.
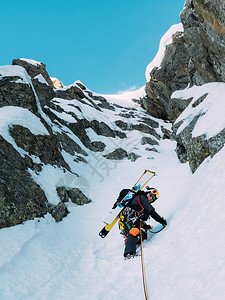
106,44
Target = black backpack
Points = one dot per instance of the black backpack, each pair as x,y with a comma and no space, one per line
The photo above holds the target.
122,200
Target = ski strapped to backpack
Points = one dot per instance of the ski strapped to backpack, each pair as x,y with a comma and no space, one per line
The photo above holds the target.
123,200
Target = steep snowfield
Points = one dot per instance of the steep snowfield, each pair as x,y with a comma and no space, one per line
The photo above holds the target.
68,260
45,260
211,110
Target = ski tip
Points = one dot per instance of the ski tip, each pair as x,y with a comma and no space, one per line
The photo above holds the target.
103,233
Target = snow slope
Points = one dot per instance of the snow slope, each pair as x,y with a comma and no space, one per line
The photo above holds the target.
210,109
42,259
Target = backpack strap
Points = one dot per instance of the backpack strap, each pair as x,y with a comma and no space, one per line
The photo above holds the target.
139,201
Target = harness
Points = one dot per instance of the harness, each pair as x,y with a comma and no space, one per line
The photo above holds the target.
128,217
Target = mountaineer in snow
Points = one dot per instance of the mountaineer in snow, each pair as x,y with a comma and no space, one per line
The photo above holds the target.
133,218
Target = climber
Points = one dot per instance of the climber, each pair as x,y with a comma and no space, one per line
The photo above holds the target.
135,214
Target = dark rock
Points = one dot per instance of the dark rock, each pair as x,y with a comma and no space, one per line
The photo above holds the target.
82,86
121,124
17,94
99,146
62,192
70,145
199,100
79,158
46,147
105,104
181,153
145,129
21,94
77,196
176,107
147,140
204,33
120,134
21,198
133,156
217,142
193,58
44,92
167,134
59,211
70,93
196,149
34,69
79,130
150,122
117,154
101,128
74,92
171,76
151,149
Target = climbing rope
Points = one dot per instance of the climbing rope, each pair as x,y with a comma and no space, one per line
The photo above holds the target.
157,231
143,268
142,262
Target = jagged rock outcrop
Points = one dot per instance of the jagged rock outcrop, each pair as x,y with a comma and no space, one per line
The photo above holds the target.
59,211
77,196
195,56
47,130
171,75
117,154
40,79
23,151
194,148
73,124
74,194
46,147
21,198
15,90
204,34
34,69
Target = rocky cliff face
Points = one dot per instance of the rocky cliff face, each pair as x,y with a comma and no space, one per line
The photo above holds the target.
204,34
47,132
196,56
50,131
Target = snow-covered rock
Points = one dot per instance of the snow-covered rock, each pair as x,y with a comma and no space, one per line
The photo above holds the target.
54,131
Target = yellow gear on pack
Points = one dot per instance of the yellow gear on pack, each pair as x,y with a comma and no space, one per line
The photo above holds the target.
121,221
127,219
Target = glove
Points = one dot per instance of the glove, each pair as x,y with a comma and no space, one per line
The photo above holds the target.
146,226
164,222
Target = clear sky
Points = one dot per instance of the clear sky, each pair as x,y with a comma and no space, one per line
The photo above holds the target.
106,44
